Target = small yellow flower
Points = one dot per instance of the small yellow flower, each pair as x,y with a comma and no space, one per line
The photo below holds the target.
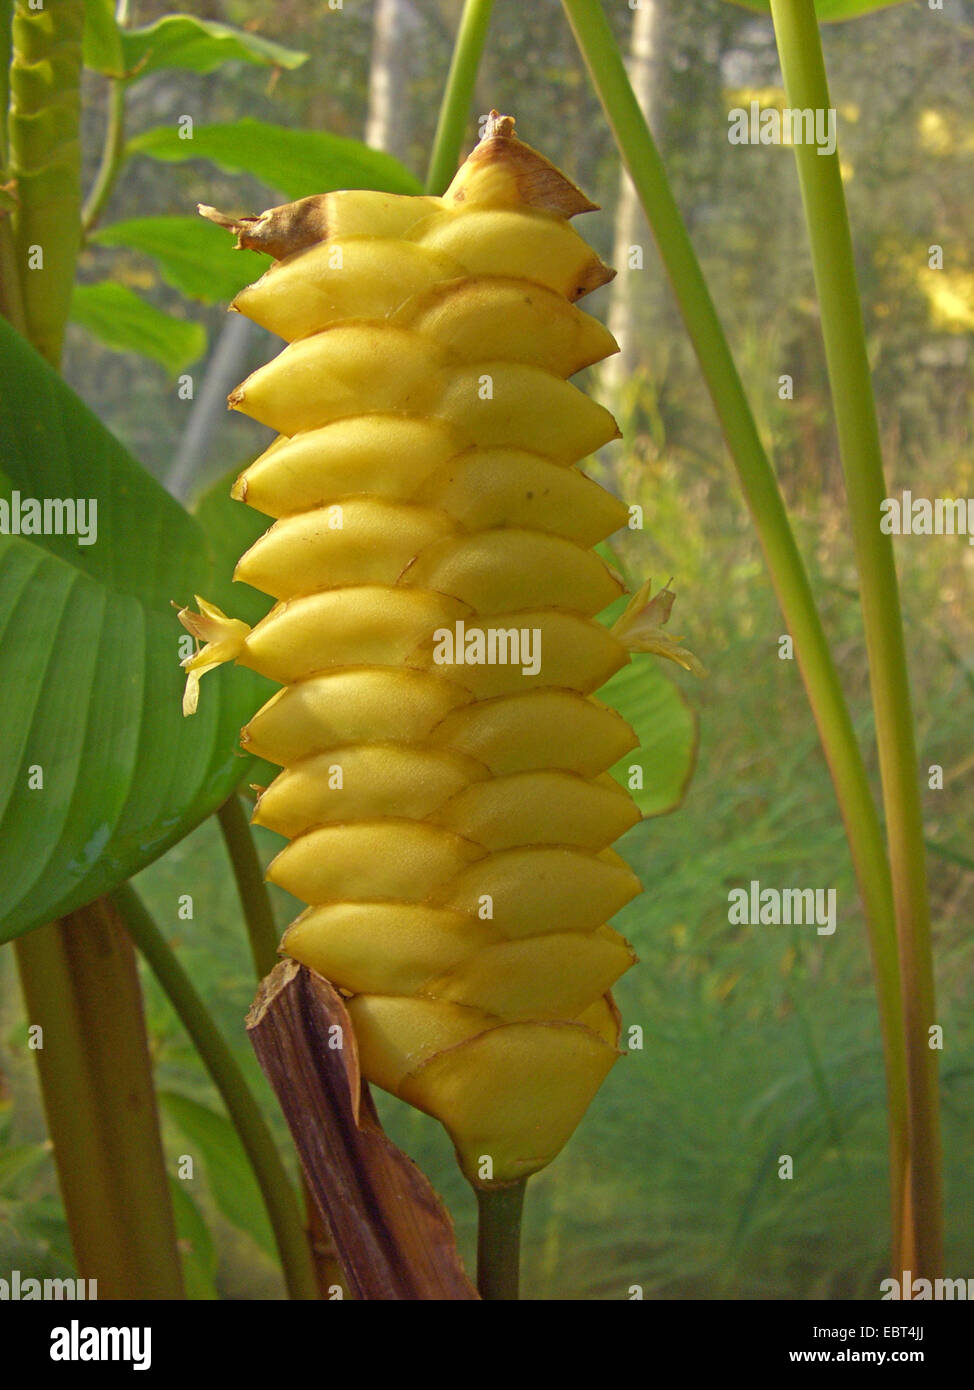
223,637
640,628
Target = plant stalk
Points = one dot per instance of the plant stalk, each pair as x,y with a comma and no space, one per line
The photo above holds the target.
263,935
6,49
45,160
112,158
499,1239
255,900
826,216
81,986
11,294
786,568
279,1197
457,96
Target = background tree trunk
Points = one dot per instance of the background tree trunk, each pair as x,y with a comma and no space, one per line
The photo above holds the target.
386,128
631,228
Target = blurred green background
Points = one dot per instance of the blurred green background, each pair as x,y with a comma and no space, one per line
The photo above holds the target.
758,1041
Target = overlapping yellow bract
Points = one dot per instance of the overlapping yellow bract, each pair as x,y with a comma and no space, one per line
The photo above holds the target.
449,820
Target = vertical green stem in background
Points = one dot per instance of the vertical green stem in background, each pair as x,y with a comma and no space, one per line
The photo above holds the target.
499,1239
597,44
254,899
11,298
44,123
113,148
112,157
6,48
262,934
81,985
279,1196
806,87
455,107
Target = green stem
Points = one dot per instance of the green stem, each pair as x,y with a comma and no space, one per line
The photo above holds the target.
81,986
11,294
457,96
6,51
262,934
45,160
499,1239
787,571
806,87
279,1196
258,913
112,157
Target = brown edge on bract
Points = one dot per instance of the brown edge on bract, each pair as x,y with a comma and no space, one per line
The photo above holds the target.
292,227
279,231
538,182
393,1234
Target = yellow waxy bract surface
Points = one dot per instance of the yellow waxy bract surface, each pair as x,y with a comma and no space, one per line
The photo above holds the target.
449,816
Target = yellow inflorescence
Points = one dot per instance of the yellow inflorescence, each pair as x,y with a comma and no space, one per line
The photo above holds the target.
445,786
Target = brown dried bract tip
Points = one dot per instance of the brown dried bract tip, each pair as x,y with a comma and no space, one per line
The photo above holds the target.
534,180
277,231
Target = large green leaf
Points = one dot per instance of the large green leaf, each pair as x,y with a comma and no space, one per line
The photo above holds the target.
214,1142
88,658
175,41
828,10
298,162
125,322
666,727
199,45
193,255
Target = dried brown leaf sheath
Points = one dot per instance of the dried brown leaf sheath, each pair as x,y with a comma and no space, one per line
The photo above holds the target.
393,1234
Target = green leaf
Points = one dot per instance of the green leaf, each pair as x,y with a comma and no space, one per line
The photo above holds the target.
666,727
102,38
828,10
196,1248
194,256
89,660
199,45
175,41
125,322
297,162
214,1142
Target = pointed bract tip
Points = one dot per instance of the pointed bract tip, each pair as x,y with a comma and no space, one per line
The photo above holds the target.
279,231
502,171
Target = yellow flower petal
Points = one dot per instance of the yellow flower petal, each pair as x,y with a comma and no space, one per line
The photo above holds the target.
223,637
640,628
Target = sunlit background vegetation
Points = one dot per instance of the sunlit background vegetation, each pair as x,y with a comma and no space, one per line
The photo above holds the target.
758,1041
